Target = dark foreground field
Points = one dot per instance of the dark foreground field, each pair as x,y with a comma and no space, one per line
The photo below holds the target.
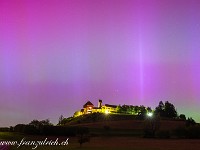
133,143
109,143
125,143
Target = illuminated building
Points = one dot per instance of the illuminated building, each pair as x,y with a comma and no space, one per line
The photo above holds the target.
89,108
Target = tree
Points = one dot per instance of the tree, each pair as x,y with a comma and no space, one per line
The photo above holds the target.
142,111
119,109
38,123
19,128
124,109
170,110
160,109
149,109
60,119
46,122
166,110
136,109
190,122
182,117
35,123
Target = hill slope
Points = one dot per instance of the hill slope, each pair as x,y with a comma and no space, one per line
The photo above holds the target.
116,121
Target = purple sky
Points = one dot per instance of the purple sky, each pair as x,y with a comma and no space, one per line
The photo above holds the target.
57,54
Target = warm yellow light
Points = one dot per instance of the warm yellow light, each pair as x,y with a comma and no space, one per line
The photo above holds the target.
106,111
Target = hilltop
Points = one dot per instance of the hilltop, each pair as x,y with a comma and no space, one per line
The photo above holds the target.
90,114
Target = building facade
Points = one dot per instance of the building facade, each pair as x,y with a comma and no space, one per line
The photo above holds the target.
90,108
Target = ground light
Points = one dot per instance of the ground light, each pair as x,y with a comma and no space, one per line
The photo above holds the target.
150,114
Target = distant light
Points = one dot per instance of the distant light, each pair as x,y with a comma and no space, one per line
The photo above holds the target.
107,112
149,114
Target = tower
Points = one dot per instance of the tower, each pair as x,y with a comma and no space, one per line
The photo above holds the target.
99,103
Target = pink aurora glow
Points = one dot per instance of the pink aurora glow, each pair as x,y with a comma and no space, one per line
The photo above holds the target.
57,54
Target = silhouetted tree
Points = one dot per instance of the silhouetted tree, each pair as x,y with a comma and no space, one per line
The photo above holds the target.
182,117
60,119
166,110
160,109
31,129
170,110
38,123
149,109
190,122
35,123
11,128
46,122
19,128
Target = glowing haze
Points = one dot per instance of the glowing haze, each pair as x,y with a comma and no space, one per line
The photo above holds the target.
57,54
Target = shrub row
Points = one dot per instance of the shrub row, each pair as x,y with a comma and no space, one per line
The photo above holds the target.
192,132
49,130
4,129
188,132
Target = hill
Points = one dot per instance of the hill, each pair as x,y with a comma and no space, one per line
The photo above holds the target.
118,121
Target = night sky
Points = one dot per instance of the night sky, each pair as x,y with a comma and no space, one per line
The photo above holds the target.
55,55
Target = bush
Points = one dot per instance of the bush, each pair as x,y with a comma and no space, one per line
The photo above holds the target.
182,117
30,129
50,130
19,128
163,134
190,122
148,133
58,130
193,132
180,132
5,129
11,129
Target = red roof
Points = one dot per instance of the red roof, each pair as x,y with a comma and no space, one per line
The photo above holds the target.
88,104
